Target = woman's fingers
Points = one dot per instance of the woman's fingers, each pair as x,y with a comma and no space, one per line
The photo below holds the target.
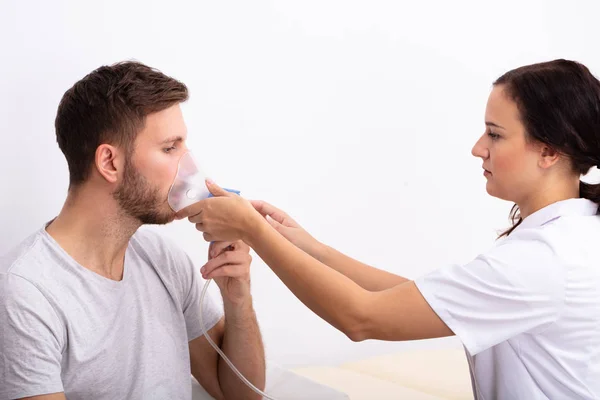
215,189
263,207
269,210
196,218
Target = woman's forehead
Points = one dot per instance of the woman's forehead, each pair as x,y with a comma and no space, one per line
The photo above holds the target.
501,110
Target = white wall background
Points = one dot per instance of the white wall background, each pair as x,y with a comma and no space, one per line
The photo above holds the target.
357,117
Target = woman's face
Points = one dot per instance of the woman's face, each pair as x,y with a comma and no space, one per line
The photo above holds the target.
510,161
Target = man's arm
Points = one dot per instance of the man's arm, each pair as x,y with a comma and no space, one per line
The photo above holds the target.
242,343
204,360
239,338
237,334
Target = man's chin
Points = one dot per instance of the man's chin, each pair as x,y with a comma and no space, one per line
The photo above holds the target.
170,218
157,219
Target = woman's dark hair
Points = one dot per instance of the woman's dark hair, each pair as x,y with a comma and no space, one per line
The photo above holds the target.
559,105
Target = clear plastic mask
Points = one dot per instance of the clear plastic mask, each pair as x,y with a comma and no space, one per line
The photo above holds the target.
189,185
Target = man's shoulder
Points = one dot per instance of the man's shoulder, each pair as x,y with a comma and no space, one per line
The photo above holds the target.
148,235
154,242
158,249
22,269
26,252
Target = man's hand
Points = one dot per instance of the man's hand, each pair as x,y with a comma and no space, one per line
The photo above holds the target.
229,265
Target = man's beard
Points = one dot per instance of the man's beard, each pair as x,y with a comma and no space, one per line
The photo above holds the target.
139,199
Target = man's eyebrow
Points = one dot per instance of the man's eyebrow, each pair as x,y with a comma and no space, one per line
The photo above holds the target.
173,139
489,123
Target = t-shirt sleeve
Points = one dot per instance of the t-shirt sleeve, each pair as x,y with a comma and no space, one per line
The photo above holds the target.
516,287
31,340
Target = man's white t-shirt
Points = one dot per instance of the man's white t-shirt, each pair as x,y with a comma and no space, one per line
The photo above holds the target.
67,329
528,311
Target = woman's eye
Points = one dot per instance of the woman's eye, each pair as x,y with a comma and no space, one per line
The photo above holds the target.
493,135
169,149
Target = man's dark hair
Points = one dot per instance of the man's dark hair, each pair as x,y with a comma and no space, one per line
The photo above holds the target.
110,105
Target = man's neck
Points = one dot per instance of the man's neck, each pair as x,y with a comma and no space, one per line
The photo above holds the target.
93,230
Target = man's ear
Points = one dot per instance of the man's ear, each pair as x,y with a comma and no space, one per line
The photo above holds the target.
109,162
548,156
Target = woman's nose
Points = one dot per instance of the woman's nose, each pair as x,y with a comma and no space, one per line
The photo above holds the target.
479,150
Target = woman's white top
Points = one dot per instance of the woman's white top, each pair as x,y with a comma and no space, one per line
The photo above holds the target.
528,310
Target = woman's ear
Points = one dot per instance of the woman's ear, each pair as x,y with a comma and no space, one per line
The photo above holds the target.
548,156
109,162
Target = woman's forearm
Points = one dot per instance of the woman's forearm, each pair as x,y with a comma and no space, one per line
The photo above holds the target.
369,278
328,293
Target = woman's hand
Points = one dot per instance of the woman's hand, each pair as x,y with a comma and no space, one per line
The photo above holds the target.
225,217
288,228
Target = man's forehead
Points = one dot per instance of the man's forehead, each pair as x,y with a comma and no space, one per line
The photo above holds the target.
164,126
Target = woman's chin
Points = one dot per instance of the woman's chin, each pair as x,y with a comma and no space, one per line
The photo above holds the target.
490,189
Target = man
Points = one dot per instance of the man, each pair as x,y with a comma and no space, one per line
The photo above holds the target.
91,307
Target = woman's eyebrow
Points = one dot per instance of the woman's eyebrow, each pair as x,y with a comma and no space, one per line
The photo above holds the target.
489,123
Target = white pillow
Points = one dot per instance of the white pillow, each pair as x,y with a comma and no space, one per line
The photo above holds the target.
440,372
361,386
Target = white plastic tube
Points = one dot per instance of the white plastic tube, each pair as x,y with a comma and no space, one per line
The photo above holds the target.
189,187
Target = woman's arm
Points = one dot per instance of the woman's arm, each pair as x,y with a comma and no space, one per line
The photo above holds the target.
398,313
369,278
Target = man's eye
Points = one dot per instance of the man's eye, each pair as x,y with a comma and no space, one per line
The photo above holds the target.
169,149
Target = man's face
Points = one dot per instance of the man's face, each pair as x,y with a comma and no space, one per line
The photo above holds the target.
152,167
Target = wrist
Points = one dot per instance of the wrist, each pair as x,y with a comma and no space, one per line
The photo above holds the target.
254,227
319,251
238,309
238,296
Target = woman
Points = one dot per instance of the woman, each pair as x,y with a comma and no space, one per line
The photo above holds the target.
528,310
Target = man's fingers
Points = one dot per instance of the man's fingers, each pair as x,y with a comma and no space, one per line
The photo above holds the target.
241,246
229,271
217,248
235,259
